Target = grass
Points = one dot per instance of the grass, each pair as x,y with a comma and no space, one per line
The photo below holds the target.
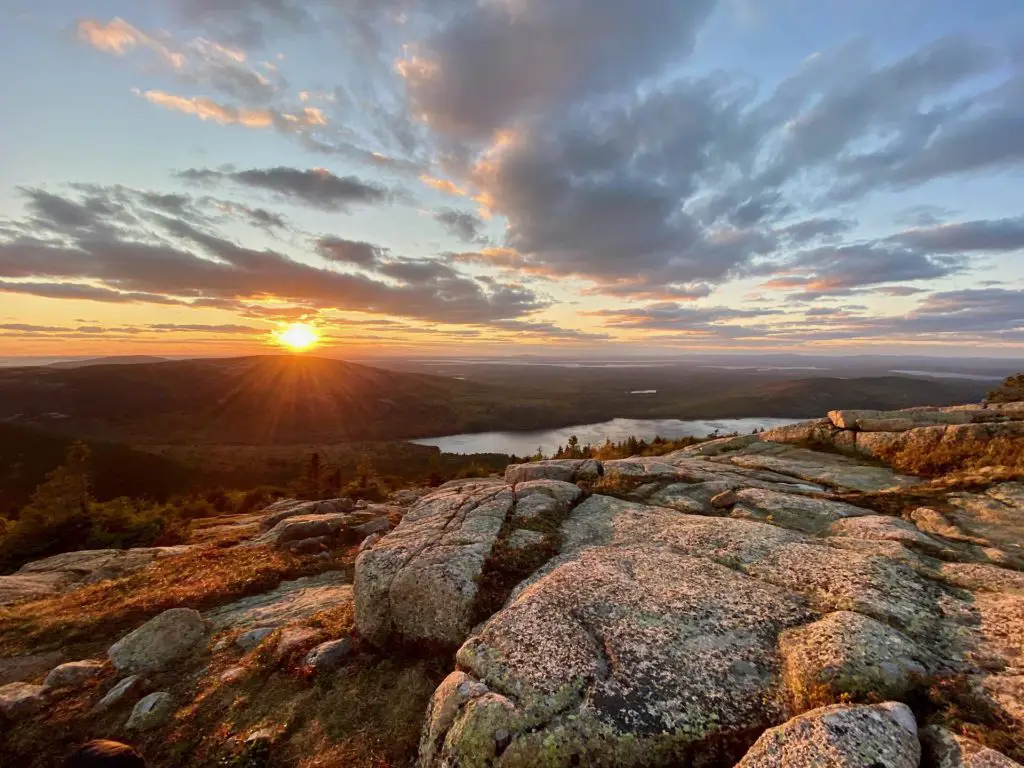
101,613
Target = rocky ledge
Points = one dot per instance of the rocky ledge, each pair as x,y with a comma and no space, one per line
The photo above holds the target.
746,600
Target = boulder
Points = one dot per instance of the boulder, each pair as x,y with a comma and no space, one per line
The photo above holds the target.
151,712
801,513
291,602
20,700
420,581
159,643
329,655
840,737
849,654
74,674
299,527
818,431
564,494
125,690
945,749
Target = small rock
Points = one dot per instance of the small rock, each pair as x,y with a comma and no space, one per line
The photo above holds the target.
125,689
74,674
311,546
840,737
253,637
944,749
233,675
377,525
328,655
19,700
151,712
370,540
160,642
724,500
292,639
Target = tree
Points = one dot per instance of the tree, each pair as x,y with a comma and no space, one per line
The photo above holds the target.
57,518
573,447
310,483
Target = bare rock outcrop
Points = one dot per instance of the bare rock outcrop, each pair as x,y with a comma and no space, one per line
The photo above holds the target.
419,582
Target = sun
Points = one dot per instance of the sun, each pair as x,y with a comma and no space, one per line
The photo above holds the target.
298,337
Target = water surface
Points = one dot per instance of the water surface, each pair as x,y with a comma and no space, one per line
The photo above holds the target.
548,440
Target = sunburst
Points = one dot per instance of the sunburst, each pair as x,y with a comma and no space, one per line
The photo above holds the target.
298,337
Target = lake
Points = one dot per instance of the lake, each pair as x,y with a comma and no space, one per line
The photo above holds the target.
526,443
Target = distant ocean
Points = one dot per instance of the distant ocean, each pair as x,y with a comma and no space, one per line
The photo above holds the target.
17,362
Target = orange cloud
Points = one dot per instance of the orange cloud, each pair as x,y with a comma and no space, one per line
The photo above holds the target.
443,185
225,114
118,37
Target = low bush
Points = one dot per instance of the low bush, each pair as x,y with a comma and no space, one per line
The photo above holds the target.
1006,453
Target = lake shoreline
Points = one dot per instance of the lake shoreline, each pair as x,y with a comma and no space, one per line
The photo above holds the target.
527,442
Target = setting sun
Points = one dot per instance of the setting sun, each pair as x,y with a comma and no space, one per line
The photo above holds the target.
297,337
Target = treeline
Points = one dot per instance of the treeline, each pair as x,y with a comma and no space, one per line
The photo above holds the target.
65,512
631,446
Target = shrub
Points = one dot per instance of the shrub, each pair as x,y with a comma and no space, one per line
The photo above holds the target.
967,455
1010,391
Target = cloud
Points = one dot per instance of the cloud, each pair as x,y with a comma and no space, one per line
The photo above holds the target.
226,114
84,292
118,37
842,269
192,262
497,62
243,21
998,235
350,251
443,185
316,187
465,226
695,320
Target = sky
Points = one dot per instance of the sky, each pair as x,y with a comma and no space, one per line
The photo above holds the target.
191,177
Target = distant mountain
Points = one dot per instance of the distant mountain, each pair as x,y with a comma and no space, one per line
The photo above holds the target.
114,360
301,400
255,400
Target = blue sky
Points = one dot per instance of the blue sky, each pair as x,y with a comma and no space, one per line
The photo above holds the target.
191,176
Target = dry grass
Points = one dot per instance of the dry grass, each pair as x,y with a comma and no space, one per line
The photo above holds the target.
99,614
1004,454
